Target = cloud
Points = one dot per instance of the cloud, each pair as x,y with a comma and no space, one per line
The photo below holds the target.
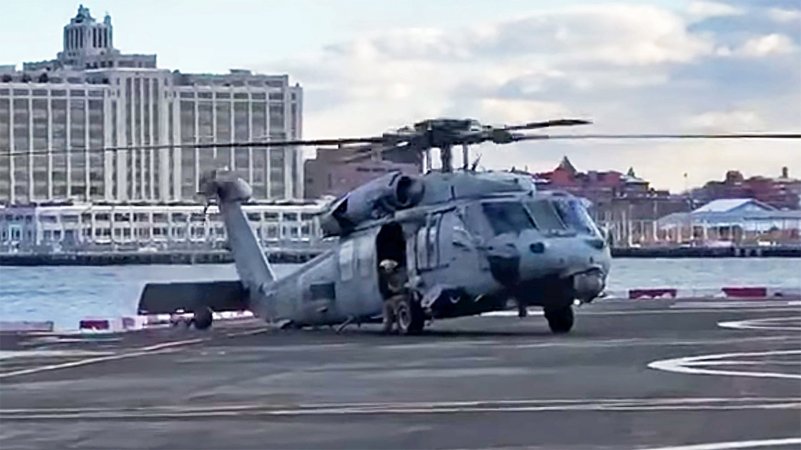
785,15
610,34
629,67
521,111
725,121
767,45
701,10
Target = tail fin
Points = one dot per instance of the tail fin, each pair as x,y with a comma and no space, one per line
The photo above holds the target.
251,263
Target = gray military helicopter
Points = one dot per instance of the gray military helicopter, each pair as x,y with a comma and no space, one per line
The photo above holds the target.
407,250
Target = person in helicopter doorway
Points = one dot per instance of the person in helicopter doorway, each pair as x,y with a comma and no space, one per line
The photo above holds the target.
393,277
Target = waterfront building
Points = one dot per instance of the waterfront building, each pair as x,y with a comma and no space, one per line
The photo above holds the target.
80,227
782,192
67,112
739,221
92,96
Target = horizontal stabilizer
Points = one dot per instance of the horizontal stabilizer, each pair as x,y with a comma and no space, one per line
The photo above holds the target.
167,298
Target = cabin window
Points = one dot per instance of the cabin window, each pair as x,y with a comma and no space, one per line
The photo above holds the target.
322,291
460,237
427,243
346,261
365,260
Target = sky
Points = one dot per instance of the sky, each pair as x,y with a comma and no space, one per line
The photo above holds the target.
368,66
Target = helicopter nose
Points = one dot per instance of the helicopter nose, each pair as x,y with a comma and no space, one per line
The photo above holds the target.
504,263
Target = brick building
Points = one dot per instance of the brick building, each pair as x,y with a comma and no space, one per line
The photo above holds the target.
624,203
333,172
612,192
782,192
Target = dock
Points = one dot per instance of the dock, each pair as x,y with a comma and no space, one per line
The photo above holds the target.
139,258
301,255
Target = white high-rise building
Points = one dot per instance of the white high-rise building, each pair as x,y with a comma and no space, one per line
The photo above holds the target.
93,97
42,116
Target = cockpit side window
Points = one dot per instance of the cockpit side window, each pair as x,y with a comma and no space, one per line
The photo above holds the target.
507,217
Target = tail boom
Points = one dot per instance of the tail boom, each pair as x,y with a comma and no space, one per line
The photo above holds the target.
251,263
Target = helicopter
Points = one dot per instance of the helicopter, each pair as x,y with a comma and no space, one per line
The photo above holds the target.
407,250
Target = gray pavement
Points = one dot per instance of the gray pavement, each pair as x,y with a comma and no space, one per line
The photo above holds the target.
725,372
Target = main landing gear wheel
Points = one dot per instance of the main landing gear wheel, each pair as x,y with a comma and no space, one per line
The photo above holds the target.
202,318
560,318
409,316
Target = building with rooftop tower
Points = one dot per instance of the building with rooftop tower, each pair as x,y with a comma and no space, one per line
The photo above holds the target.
89,44
93,96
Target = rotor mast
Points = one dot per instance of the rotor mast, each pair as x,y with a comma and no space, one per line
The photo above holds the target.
446,157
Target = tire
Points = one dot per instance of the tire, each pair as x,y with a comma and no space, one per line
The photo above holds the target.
409,316
202,318
560,318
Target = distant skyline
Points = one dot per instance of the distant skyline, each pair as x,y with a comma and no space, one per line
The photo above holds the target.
367,66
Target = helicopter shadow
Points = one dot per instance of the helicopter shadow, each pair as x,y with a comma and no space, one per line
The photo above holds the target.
438,334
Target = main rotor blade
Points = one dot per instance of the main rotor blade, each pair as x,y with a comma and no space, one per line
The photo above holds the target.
657,136
203,145
547,124
364,153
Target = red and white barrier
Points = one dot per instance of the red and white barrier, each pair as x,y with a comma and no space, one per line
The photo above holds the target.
635,294
741,292
112,325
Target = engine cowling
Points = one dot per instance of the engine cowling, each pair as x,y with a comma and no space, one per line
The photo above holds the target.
373,200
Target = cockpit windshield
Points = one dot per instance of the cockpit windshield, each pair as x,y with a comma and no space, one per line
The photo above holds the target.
575,215
545,215
507,217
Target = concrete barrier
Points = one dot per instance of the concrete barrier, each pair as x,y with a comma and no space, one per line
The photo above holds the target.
25,326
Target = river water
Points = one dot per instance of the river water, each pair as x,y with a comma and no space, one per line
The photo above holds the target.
67,294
